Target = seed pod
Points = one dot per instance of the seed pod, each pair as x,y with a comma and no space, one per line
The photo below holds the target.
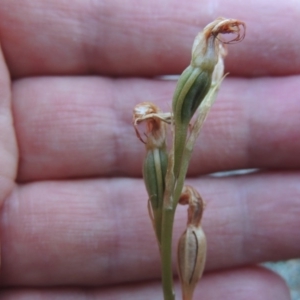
191,254
191,259
191,93
154,173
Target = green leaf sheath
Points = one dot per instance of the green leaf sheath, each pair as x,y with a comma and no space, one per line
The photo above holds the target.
154,171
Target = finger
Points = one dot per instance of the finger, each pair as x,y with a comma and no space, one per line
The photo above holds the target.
151,38
247,284
98,231
77,127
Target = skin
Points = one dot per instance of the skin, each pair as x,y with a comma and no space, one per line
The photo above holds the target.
74,221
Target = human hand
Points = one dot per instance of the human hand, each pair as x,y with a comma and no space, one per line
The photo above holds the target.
74,221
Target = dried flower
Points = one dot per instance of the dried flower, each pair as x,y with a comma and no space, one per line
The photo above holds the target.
155,123
195,81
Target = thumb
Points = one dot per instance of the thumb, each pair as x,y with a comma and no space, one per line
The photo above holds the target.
8,144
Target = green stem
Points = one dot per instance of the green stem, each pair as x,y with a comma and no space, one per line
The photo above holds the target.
184,167
166,253
180,135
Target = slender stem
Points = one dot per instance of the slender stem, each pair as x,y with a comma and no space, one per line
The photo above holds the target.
184,167
166,253
180,135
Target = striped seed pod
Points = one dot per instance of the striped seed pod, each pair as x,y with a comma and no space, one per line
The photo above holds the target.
154,172
191,253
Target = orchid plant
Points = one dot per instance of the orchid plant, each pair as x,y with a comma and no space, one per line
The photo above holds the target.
165,168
